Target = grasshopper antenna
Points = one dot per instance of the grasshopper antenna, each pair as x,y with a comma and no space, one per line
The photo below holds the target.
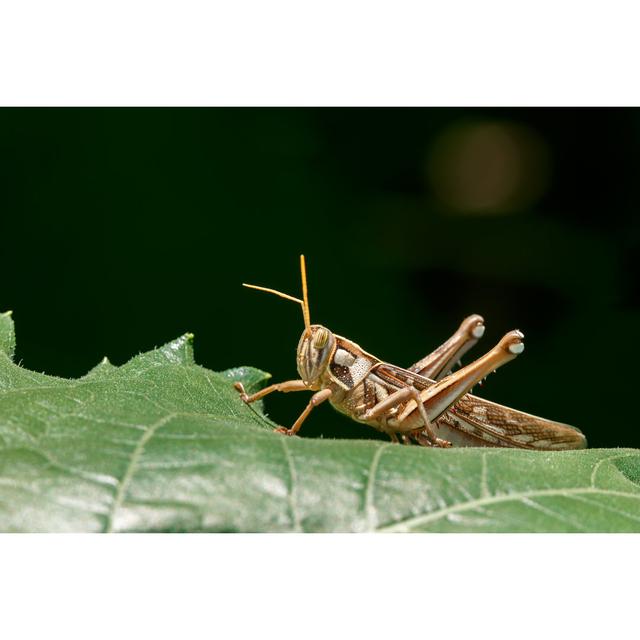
304,303
276,293
305,296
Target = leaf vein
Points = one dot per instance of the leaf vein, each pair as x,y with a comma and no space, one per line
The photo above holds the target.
596,468
293,479
426,518
554,514
125,481
371,513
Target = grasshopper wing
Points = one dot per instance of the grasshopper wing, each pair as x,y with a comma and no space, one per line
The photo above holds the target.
495,425
397,377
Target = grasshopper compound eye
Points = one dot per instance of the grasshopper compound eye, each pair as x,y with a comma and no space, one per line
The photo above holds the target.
320,338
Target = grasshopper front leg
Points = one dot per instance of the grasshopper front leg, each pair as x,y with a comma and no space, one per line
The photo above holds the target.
286,387
439,363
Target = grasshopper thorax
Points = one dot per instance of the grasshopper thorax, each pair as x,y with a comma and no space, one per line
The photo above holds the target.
315,349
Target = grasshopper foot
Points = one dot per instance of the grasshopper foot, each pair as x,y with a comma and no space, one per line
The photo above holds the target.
284,431
239,387
423,439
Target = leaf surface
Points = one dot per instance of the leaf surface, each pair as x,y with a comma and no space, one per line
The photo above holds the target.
162,444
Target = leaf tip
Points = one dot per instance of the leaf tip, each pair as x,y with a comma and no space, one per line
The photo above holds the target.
178,351
7,334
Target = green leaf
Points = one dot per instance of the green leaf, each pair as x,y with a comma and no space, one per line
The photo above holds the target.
162,444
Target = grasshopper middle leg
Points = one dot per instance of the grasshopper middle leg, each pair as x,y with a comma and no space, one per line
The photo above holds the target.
399,398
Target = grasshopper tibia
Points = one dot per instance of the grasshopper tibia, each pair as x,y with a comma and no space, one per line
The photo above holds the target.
316,399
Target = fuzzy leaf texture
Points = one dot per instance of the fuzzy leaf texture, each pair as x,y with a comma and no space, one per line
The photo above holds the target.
162,444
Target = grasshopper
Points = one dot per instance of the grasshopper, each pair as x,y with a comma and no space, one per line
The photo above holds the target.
425,404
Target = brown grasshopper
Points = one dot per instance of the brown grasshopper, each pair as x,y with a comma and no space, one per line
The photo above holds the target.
425,404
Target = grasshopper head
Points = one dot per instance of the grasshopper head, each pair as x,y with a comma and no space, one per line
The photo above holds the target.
314,353
317,344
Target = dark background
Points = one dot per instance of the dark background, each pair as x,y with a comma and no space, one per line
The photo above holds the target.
124,228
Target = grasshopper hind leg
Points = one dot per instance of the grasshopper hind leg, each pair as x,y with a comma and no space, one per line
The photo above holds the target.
439,397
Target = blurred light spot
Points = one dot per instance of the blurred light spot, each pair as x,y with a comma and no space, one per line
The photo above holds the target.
488,168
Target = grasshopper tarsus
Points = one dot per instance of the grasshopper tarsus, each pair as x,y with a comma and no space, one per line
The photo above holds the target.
239,387
422,438
284,431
